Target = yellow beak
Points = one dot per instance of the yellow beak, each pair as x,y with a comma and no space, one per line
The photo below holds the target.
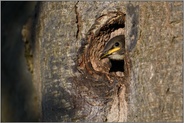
109,52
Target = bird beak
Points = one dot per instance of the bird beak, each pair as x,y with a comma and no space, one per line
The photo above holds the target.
107,53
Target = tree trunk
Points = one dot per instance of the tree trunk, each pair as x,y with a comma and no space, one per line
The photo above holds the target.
74,85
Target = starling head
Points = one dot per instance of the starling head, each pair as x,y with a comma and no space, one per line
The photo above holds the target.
115,48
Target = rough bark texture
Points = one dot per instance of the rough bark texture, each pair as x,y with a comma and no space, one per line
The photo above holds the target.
76,86
157,63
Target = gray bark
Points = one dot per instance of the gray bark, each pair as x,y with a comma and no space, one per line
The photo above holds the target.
157,63
73,85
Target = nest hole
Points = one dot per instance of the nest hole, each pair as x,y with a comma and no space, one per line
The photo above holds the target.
105,27
117,66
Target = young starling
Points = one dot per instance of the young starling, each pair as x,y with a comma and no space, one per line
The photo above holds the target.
115,48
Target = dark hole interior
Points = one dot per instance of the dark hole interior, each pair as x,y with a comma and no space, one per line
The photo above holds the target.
117,65
112,27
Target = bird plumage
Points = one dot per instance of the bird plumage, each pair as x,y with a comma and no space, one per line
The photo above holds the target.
115,48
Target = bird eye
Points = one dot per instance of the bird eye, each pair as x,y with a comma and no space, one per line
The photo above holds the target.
116,44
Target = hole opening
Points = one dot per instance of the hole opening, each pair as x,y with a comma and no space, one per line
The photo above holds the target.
117,65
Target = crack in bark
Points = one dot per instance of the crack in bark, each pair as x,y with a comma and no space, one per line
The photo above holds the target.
122,104
118,94
77,20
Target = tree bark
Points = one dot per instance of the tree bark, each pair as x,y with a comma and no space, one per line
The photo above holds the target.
157,63
74,85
